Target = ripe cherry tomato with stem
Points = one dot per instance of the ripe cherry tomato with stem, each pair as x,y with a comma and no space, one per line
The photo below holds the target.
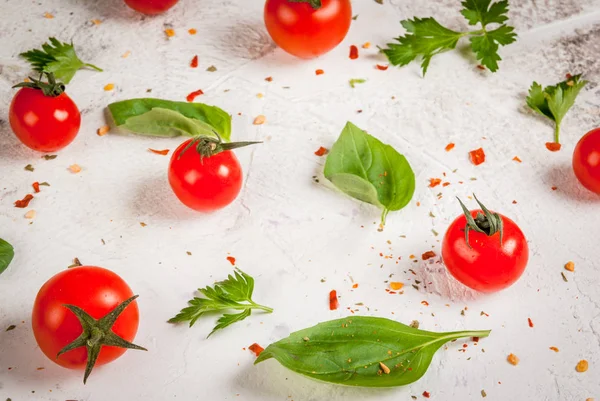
308,28
205,174
85,316
43,116
151,7
485,251
586,160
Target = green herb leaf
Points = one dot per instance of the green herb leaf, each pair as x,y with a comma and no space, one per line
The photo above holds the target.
165,118
426,37
316,4
235,293
7,253
554,102
361,351
368,170
58,58
355,81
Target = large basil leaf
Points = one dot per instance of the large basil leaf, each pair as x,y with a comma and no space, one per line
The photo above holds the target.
7,253
358,351
166,118
369,170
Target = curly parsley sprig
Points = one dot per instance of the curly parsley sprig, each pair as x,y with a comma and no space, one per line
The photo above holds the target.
426,37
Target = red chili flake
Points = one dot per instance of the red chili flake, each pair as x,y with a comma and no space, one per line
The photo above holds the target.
257,349
190,98
163,152
569,76
428,255
477,156
465,345
269,79
319,72
530,322
445,184
23,203
450,146
517,159
554,188
434,182
424,303
321,151
382,67
231,260
355,285
194,63
333,300
426,394
480,67
353,52
36,187
476,339
553,146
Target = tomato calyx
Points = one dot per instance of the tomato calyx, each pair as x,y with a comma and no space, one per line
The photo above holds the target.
96,333
208,146
315,4
52,88
487,223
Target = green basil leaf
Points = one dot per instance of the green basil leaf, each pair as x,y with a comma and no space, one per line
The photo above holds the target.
361,351
7,253
367,169
166,118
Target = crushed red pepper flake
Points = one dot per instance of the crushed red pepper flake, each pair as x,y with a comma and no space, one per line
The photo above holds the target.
170,32
554,188
570,266
231,260
319,72
382,67
553,146
36,187
428,255
426,394
582,366
512,359
23,203
321,151
353,52
269,79
190,98
192,31
554,349
355,285
194,62
449,147
163,152
530,322
477,156
434,182
333,300
424,303
103,130
396,285
445,184
257,349
517,159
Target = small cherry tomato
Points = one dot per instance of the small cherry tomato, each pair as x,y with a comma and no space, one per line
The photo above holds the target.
307,31
43,116
151,7
586,160
205,174
95,296
484,250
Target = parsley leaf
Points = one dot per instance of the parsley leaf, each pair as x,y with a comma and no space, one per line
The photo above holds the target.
554,101
58,58
235,293
426,37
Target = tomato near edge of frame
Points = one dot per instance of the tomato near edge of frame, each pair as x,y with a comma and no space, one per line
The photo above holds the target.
205,184
151,7
97,291
44,123
485,265
586,160
305,32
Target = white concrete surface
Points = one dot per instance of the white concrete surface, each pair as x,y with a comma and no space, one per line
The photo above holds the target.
290,232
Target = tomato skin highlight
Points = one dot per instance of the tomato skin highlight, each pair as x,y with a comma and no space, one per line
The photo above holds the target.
151,7
586,160
44,123
485,266
97,291
305,32
205,184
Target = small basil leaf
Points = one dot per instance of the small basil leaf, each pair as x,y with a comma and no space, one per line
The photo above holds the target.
368,170
361,351
213,116
167,123
7,253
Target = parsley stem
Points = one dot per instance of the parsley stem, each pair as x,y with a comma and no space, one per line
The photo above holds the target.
557,132
94,67
263,308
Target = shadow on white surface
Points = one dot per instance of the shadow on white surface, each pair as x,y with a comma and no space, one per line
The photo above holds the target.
563,177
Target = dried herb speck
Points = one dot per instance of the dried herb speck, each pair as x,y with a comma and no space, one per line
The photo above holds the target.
11,327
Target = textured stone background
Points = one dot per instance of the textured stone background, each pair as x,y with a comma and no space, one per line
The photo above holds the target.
289,231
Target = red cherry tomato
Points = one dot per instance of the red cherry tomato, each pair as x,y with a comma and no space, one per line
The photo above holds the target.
586,160
44,123
151,7
301,30
484,264
205,184
95,290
